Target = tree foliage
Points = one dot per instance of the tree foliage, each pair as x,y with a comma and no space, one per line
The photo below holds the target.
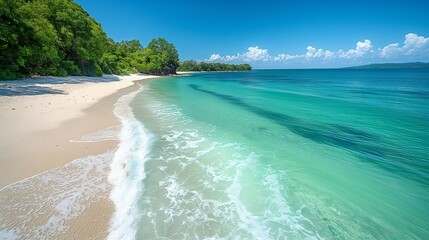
195,66
58,37
160,57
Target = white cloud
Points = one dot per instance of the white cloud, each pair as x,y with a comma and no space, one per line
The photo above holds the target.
218,57
312,52
252,54
284,57
215,57
364,46
389,50
256,54
329,54
414,46
317,53
413,41
231,58
361,49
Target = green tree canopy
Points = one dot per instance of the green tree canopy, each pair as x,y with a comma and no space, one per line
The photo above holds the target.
58,37
161,57
195,66
49,37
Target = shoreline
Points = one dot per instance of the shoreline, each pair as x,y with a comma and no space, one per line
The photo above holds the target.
45,149
60,147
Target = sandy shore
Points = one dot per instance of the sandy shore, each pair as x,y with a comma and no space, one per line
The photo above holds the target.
40,179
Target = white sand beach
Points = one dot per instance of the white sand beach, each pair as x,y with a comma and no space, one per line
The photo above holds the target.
58,136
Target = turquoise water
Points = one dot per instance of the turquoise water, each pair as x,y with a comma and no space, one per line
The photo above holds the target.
285,154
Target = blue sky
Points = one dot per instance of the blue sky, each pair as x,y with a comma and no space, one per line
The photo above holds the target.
272,33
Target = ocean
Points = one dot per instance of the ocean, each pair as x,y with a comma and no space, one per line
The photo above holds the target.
275,154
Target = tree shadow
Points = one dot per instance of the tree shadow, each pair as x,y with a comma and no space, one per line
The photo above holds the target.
36,85
27,90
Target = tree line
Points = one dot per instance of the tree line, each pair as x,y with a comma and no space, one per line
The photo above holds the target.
59,38
194,66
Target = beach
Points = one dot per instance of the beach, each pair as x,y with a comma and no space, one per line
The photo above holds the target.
58,137
264,154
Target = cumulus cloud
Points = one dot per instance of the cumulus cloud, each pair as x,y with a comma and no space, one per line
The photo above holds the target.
389,50
256,54
312,52
413,40
361,49
252,54
329,54
317,53
284,57
215,57
413,45
231,58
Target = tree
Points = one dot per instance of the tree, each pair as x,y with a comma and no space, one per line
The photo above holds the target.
58,37
161,57
192,65
49,37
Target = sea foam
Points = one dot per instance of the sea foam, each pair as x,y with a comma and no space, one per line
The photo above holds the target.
202,186
127,170
110,133
41,207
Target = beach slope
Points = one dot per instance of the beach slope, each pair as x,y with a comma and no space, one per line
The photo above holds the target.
58,137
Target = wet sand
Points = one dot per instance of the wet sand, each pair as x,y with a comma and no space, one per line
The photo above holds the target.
45,191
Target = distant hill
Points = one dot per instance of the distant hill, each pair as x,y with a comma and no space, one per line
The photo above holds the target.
392,65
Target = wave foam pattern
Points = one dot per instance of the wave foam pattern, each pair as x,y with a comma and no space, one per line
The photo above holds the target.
40,207
198,187
127,171
110,133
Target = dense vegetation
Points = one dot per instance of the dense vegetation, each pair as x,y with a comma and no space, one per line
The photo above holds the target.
392,65
194,66
58,37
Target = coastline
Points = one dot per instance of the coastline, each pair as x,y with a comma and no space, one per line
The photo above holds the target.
36,144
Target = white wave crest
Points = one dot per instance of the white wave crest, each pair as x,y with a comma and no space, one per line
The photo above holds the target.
127,171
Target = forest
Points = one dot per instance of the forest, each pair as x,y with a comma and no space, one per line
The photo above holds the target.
195,66
59,38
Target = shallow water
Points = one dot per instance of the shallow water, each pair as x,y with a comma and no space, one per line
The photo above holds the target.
275,154
42,206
